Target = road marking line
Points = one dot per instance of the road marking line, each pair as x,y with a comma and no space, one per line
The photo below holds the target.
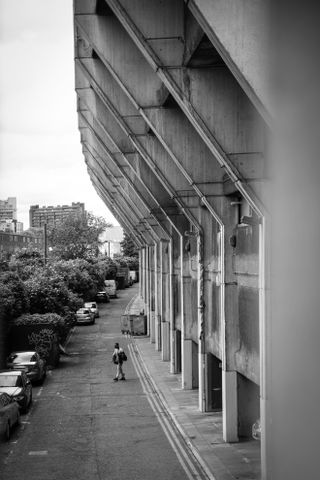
175,443
163,402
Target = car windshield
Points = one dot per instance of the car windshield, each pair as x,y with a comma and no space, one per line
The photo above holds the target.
10,381
83,310
22,357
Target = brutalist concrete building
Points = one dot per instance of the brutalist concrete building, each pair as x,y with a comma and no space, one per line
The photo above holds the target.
173,114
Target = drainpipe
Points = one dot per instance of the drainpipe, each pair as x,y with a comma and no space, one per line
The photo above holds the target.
201,326
183,325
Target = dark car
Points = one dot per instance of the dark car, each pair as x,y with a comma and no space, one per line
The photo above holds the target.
30,361
18,386
9,415
102,297
85,316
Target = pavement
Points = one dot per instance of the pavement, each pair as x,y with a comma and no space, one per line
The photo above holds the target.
202,432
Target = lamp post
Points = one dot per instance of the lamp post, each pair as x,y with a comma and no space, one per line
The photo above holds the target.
45,243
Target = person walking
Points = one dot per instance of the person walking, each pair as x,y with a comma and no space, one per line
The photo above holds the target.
118,357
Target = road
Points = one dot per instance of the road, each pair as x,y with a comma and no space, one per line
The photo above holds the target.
84,426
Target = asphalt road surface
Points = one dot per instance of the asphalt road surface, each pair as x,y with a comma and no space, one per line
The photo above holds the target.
84,426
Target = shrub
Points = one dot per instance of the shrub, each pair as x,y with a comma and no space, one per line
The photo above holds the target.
50,294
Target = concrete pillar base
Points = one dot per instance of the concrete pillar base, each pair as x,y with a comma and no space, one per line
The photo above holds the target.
165,330
158,333
152,327
229,406
187,365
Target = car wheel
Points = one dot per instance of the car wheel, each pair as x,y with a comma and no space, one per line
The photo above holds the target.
24,407
42,379
7,432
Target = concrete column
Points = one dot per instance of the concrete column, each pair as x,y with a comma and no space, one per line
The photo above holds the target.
172,313
157,249
165,302
186,342
143,273
147,290
152,293
140,272
187,383
230,406
165,333
230,328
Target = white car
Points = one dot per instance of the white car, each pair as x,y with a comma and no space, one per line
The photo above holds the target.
93,307
9,415
85,316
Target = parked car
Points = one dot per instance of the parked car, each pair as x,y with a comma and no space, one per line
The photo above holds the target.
102,297
9,415
256,430
93,307
18,386
111,288
84,316
34,366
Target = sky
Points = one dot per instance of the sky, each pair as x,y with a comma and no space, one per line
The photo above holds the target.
41,160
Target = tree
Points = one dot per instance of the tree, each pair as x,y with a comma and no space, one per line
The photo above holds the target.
26,261
77,237
82,277
132,262
48,293
128,247
13,295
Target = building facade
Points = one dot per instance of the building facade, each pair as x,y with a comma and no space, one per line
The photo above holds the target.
174,115
11,242
39,216
8,209
11,226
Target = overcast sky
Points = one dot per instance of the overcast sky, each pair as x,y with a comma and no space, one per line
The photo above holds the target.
41,161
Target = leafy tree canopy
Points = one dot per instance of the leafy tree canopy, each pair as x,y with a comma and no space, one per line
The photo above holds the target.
48,292
77,237
13,295
25,261
128,247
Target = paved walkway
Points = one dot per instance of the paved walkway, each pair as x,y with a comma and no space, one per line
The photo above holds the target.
202,431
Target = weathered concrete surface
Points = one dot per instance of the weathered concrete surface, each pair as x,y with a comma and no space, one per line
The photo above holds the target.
172,113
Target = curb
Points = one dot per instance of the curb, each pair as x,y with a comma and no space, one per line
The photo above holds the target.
185,437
